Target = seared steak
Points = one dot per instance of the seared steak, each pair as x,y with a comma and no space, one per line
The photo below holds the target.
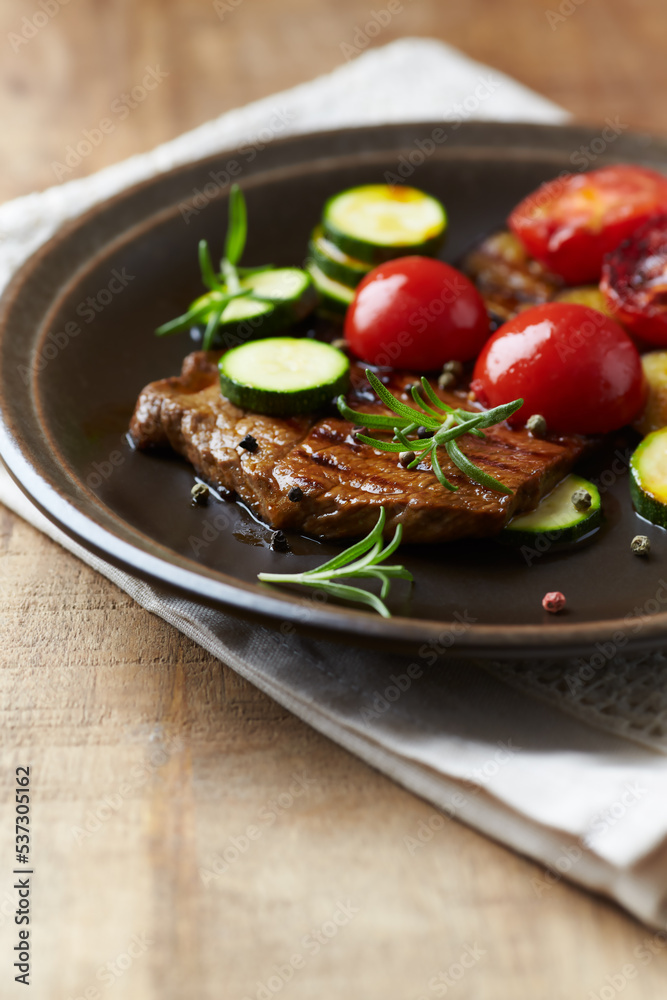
508,279
343,483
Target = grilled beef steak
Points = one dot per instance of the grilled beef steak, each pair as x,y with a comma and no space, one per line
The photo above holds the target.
309,474
508,279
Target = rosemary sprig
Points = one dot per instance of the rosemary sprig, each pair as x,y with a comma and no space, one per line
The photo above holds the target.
237,230
223,286
358,561
446,423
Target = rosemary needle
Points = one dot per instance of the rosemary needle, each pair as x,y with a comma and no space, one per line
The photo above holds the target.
359,561
446,423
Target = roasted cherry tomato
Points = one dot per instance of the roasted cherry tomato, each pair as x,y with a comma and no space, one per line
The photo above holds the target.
634,281
416,313
572,364
570,223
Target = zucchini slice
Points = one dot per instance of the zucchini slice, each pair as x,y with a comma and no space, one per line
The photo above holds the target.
334,262
283,376
241,318
334,296
585,295
648,478
654,416
377,222
556,517
278,298
286,286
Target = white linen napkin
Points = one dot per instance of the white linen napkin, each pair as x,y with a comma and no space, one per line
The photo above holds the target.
541,765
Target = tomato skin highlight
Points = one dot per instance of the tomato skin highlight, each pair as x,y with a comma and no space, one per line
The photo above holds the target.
571,222
576,367
416,313
634,281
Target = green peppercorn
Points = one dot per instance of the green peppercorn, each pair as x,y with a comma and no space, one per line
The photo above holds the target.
581,500
641,545
454,368
199,493
446,380
537,425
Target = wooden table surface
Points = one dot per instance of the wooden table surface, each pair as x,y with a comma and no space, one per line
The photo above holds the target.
149,758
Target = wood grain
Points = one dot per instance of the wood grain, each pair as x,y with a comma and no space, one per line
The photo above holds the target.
150,759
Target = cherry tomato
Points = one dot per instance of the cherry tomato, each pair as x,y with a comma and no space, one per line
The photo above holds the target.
634,281
570,223
416,313
572,364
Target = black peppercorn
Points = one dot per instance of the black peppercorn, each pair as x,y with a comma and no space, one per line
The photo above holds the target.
295,494
248,443
279,542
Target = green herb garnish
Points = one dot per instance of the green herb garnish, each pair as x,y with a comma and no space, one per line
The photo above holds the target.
358,561
447,425
223,286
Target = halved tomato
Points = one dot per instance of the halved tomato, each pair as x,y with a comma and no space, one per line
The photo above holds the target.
570,223
634,281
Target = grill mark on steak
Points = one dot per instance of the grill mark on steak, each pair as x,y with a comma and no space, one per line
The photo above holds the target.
344,482
327,433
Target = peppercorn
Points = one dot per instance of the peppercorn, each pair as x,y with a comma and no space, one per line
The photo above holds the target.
581,500
424,432
249,443
446,380
553,602
295,494
405,458
279,542
537,425
641,545
199,493
455,368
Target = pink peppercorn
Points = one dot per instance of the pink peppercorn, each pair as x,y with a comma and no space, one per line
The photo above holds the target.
554,601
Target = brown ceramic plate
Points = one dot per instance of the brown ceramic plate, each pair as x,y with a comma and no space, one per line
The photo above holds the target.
77,345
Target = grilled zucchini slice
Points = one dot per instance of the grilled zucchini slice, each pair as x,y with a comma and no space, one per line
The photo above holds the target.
648,478
334,296
556,516
334,262
283,376
278,298
377,222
